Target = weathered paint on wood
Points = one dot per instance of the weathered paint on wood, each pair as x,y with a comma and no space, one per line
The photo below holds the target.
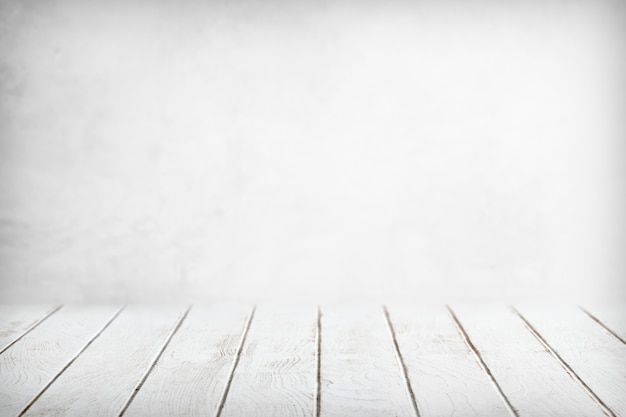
445,376
593,355
360,374
228,360
31,363
189,378
101,380
610,316
276,375
532,380
17,320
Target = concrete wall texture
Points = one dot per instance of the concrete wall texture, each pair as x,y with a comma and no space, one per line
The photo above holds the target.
164,150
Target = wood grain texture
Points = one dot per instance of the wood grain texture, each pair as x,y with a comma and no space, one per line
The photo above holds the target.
277,370
189,378
102,378
446,379
593,354
360,374
610,316
223,360
16,320
533,381
28,365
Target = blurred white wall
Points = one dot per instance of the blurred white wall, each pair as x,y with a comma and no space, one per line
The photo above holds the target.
158,150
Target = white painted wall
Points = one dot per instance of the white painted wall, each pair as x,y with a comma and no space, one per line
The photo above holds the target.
155,150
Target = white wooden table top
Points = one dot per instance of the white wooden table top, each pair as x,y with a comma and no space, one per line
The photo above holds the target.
306,360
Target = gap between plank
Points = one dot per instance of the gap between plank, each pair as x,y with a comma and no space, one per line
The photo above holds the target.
597,320
70,362
564,364
145,376
481,362
318,364
31,327
400,359
231,374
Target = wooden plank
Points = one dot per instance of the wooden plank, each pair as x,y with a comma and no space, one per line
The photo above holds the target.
610,316
360,374
445,376
189,378
276,375
530,378
101,380
18,320
587,350
30,364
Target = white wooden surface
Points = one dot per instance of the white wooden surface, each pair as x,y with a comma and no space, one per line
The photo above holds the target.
529,376
28,365
594,355
610,316
284,361
444,374
102,378
189,378
360,374
16,320
277,370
